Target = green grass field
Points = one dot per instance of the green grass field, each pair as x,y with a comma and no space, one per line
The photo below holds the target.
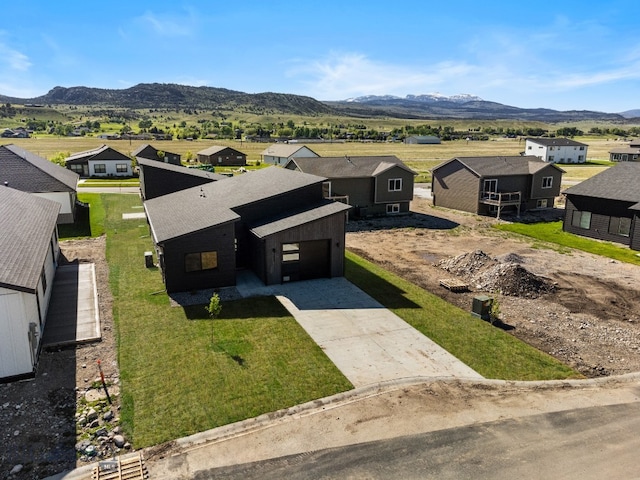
182,372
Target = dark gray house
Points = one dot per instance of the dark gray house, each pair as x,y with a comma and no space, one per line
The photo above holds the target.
157,178
31,173
149,152
628,153
374,186
606,206
222,156
487,185
272,221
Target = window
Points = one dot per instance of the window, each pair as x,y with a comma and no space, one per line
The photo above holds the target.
529,147
542,203
395,184
620,226
581,148
100,168
290,252
551,158
547,182
76,168
581,219
194,262
393,208
122,168
581,158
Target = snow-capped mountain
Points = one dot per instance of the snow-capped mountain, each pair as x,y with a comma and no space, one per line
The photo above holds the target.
426,98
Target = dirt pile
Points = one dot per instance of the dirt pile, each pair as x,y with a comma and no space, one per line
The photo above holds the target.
506,277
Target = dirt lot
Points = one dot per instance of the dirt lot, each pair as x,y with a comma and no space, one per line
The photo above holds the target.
579,308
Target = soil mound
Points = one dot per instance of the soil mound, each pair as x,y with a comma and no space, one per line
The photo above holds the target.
506,277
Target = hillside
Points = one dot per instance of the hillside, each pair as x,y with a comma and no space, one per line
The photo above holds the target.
172,96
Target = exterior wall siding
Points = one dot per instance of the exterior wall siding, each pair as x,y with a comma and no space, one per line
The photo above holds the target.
110,168
226,157
557,153
155,182
454,186
601,213
382,193
67,202
17,310
220,240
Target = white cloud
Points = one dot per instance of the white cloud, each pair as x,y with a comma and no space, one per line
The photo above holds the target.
171,25
13,59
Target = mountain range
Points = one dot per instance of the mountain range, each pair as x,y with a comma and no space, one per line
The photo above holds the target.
428,106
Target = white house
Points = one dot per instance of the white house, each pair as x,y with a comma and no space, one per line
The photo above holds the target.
25,171
281,153
103,161
556,150
29,252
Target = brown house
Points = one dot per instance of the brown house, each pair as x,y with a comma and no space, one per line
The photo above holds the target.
373,186
273,221
606,206
487,185
222,156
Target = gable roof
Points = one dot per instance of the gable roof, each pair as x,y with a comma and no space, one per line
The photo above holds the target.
149,151
194,172
215,149
104,152
26,225
556,142
619,182
284,150
28,172
348,167
176,214
501,166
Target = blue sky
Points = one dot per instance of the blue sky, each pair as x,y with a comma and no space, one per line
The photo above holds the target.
564,55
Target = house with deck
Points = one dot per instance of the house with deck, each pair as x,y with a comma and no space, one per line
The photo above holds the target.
281,153
28,172
556,150
273,221
488,185
103,161
606,206
373,185
29,252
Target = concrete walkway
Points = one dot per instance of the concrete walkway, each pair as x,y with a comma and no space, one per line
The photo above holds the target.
367,342
73,314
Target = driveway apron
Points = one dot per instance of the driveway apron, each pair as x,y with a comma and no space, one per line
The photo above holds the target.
366,341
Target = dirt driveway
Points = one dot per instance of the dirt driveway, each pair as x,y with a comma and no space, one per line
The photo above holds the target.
578,307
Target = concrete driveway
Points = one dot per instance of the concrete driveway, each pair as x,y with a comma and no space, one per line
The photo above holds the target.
367,342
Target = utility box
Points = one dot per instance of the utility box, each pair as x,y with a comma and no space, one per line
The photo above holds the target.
482,306
148,259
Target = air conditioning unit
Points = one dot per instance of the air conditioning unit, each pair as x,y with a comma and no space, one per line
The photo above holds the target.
148,259
482,306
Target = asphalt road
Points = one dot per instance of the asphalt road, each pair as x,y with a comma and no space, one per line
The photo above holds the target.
590,443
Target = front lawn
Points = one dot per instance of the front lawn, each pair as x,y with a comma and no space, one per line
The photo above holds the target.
551,232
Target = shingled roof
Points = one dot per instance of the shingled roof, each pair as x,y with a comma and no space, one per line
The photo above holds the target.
284,150
201,207
501,166
28,172
26,225
87,155
556,142
619,182
348,167
195,172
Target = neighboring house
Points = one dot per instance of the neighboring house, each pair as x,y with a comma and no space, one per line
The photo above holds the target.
29,253
222,156
23,170
281,153
487,185
556,150
149,152
606,206
628,153
103,161
15,133
273,221
157,178
422,140
377,185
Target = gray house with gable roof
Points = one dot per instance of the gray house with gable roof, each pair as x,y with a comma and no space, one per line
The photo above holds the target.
25,171
487,185
272,221
606,206
29,252
373,186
